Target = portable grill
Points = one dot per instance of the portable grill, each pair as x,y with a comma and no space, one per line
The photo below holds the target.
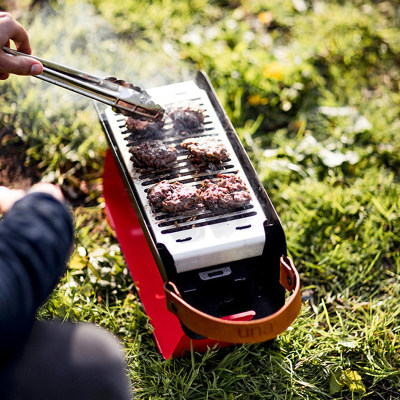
222,272
221,268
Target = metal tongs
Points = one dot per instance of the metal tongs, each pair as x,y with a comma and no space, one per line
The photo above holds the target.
122,96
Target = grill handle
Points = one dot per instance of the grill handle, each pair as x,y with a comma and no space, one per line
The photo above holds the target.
230,331
122,96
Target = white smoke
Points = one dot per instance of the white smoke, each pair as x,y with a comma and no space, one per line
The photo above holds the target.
81,39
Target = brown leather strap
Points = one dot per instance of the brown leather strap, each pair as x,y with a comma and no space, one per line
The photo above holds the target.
232,331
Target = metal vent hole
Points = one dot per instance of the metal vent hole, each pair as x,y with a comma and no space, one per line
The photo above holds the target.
184,240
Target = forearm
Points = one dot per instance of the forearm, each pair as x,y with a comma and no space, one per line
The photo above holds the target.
36,237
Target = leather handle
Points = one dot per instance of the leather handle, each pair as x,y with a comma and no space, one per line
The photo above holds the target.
231,331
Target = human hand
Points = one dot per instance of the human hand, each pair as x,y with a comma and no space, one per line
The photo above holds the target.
10,29
9,196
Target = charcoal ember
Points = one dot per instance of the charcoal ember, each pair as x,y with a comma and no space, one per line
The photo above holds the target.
153,154
227,191
186,119
173,197
138,125
205,150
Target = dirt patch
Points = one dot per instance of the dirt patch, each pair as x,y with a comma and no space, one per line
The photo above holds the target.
83,188
14,171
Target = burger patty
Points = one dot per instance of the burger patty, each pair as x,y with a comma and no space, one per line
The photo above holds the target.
205,150
153,154
227,191
173,197
137,125
186,119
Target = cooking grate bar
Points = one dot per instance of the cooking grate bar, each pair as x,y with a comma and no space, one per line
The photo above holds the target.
180,174
205,223
170,220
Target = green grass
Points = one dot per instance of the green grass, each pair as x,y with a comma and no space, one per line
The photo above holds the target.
312,88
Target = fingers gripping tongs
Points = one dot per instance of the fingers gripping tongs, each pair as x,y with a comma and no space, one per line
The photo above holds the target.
122,96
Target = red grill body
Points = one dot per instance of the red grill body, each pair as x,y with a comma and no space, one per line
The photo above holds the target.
169,336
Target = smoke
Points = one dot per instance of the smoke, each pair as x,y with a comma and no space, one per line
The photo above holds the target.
75,36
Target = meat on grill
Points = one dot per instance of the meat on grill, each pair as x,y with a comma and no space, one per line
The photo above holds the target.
137,125
205,150
186,119
227,191
153,154
173,197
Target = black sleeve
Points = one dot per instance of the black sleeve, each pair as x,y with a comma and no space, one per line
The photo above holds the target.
36,236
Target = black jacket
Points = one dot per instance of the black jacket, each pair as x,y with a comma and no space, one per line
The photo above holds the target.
36,236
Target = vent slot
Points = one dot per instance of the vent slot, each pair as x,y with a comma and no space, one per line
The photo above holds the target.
202,224
196,217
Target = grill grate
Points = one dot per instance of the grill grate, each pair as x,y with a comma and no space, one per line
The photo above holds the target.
195,238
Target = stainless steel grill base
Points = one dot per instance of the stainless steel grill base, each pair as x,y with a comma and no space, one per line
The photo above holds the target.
196,238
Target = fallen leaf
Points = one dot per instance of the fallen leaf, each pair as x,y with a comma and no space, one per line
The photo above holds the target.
352,380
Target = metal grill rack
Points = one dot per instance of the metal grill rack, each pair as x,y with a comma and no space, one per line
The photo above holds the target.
196,238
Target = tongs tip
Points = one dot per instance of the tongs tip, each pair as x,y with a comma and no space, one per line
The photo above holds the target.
134,101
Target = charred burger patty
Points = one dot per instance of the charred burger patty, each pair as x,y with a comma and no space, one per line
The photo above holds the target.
186,119
173,197
227,191
205,150
153,154
137,125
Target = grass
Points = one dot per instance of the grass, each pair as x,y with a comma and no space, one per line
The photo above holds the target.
312,88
